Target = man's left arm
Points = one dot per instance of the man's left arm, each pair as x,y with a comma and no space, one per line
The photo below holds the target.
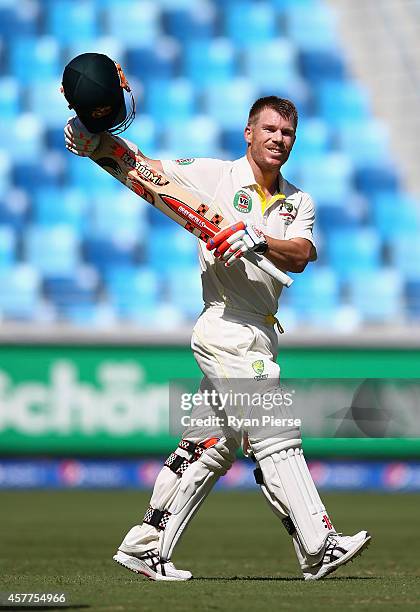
290,255
298,248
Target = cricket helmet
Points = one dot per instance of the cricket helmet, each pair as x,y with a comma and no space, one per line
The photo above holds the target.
94,85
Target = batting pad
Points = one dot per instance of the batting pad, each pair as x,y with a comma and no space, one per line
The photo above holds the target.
194,486
293,492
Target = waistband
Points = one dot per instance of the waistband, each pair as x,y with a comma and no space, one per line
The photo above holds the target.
244,316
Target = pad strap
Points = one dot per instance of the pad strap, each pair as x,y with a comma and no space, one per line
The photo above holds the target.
179,464
156,518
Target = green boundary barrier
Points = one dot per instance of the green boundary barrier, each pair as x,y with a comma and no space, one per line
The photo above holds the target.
61,399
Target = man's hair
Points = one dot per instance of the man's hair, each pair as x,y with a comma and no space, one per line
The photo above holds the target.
283,107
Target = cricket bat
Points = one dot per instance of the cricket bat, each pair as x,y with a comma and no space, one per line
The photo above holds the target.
133,171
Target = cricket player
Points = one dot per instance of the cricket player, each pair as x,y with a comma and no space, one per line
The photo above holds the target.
234,342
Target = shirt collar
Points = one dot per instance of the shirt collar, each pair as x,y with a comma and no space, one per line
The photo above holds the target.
246,175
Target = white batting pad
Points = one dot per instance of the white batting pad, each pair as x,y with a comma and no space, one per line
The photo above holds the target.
289,482
194,486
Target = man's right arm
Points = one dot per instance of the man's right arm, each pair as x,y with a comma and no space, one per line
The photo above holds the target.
201,176
80,141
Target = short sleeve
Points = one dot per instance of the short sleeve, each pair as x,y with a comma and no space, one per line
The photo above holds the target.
302,225
201,175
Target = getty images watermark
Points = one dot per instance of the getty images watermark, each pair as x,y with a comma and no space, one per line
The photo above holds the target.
322,408
210,409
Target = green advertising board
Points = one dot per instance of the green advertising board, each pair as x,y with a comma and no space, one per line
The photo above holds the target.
113,400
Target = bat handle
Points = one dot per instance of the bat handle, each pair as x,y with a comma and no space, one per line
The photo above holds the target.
266,265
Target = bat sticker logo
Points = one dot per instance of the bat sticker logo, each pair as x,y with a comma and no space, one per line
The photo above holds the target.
146,172
193,219
109,164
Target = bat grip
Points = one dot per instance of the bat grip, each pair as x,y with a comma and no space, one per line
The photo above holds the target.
266,265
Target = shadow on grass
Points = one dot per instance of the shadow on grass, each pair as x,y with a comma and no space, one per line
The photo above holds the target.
280,579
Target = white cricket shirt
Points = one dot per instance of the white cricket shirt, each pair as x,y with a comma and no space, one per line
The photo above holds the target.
230,187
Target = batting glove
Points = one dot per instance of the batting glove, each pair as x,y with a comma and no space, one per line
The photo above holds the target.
78,139
232,242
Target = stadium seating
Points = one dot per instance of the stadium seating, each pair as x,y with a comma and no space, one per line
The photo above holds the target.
20,293
75,246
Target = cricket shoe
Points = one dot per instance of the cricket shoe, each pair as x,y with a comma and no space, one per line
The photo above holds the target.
151,565
339,550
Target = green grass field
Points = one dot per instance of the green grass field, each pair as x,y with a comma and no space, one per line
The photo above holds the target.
240,555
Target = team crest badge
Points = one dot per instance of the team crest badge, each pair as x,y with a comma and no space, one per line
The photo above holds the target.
185,161
258,366
286,210
242,201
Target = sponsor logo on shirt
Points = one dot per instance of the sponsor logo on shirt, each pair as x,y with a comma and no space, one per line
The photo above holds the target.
242,201
185,161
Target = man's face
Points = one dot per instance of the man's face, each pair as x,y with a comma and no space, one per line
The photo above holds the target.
271,138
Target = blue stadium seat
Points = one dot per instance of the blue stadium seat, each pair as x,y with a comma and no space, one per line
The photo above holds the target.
17,18
211,61
331,218
26,134
10,104
19,295
311,27
34,60
131,23
54,137
313,139
373,179
108,45
77,289
65,18
405,253
229,103
296,89
144,133
327,178
197,137
184,290
57,206
7,246
181,253
147,63
322,64
248,24
168,101
30,175
412,299
117,214
353,251
233,142
377,295
86,175
14,210
316,299
272,64
133,291
196,21
52,250
365,141
395,215
47,103
340,102
105,253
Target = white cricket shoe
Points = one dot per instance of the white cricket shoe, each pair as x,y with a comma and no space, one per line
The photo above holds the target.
151,565
339,550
